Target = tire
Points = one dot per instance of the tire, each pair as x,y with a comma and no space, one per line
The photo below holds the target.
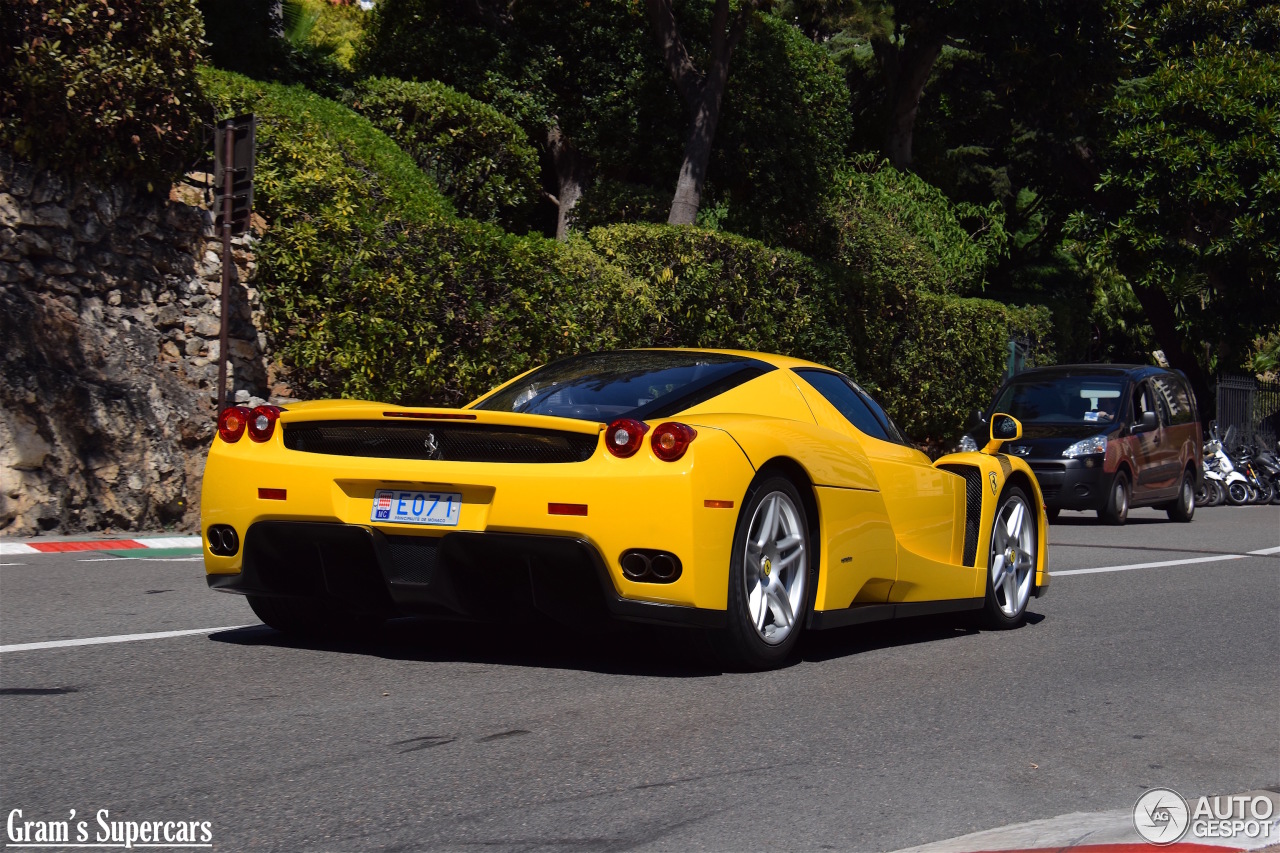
1052,512
1011,562
308,617
1183,508
1237,493
772,575
1117,509
1219,494
1204,492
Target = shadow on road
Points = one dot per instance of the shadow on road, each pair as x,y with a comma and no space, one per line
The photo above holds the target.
625,649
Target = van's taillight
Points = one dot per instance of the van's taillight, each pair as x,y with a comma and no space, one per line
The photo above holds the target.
671,440
262,422
624,436
232,423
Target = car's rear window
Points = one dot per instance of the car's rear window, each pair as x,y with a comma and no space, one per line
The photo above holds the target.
1063,399
627,384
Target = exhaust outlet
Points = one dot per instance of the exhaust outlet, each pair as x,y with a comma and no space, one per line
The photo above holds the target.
646,565
663,567
635,565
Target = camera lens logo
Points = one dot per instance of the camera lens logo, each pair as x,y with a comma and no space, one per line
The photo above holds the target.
1161,816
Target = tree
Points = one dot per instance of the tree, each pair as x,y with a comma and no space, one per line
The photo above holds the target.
701,90
1191,179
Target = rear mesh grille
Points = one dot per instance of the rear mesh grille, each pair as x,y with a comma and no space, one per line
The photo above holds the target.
972,508
446,442
413,558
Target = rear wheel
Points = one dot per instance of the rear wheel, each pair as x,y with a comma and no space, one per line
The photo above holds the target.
1205,493
770,578
1237,493
1011,564
308,617
1117,508
1184,506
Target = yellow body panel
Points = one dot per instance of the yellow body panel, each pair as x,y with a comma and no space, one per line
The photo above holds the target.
891,524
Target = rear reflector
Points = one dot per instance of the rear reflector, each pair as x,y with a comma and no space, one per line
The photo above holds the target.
431,416
271,494
718,504
566,509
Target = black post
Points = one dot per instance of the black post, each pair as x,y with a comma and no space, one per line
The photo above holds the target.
228,140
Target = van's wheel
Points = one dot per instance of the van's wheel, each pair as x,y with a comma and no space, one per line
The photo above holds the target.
309,617
771,578
1011,564
1117,508
1184,506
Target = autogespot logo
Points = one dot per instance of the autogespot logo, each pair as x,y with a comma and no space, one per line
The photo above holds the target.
1161,816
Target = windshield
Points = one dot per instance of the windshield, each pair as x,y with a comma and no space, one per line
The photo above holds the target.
1062,399
632,384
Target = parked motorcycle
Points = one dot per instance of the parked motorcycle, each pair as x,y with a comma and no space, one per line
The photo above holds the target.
1238,490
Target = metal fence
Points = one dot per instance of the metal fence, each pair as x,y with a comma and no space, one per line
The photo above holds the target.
1252,407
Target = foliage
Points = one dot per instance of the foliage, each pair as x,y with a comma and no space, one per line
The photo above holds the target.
373,288
273,40
335,28
929,358
1192,171
480,158
893,227
100,89
782,135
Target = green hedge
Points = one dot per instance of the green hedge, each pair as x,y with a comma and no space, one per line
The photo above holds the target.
373,287
104,90
929,358
480,158
895,227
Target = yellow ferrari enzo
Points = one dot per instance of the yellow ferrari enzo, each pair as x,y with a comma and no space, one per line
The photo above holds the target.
750,495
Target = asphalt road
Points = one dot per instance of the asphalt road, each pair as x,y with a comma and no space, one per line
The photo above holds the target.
454,737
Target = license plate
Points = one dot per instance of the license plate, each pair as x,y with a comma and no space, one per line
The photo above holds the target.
442,509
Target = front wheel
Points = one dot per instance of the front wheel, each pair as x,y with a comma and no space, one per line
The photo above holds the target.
1011,564
1237,493
770,578
1184,506
1117,508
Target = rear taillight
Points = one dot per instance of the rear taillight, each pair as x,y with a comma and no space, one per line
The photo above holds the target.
671,440
232,422
624,436
262,422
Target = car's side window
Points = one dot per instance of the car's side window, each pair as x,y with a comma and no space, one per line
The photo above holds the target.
840,393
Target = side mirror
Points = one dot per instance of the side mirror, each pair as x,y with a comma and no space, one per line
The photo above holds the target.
1003,428
1148,423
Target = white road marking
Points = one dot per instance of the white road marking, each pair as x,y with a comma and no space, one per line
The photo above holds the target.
119,638
10,548
1217,558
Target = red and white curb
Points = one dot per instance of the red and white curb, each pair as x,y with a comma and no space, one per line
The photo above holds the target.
1100,832
9,549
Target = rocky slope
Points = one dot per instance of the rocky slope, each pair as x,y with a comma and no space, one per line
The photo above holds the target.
109,318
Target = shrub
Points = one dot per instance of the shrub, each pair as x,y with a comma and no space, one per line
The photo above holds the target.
101,89
480,158
893,226
371,285
929,358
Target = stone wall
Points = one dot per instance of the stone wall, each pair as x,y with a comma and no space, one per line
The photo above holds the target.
109,321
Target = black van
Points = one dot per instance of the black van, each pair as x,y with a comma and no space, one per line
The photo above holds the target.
1104,437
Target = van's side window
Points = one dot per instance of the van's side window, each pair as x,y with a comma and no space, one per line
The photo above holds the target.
1175,403
1141,402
